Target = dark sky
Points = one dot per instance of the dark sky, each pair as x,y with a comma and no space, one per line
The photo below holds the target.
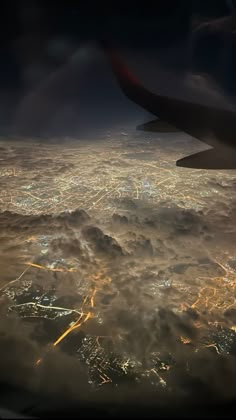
39,38
93,20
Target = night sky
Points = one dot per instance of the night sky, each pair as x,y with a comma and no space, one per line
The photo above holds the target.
38,40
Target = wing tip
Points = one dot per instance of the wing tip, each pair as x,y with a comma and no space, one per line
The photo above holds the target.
210,159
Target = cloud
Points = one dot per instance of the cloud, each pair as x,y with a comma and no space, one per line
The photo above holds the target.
68,247
154,257
101,242
18,352
58,374
64,376
65,220
212,46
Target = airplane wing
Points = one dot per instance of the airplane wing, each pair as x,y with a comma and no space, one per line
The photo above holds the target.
212,125
157,126
216,158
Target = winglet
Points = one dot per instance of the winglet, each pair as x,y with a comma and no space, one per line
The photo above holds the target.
123,74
